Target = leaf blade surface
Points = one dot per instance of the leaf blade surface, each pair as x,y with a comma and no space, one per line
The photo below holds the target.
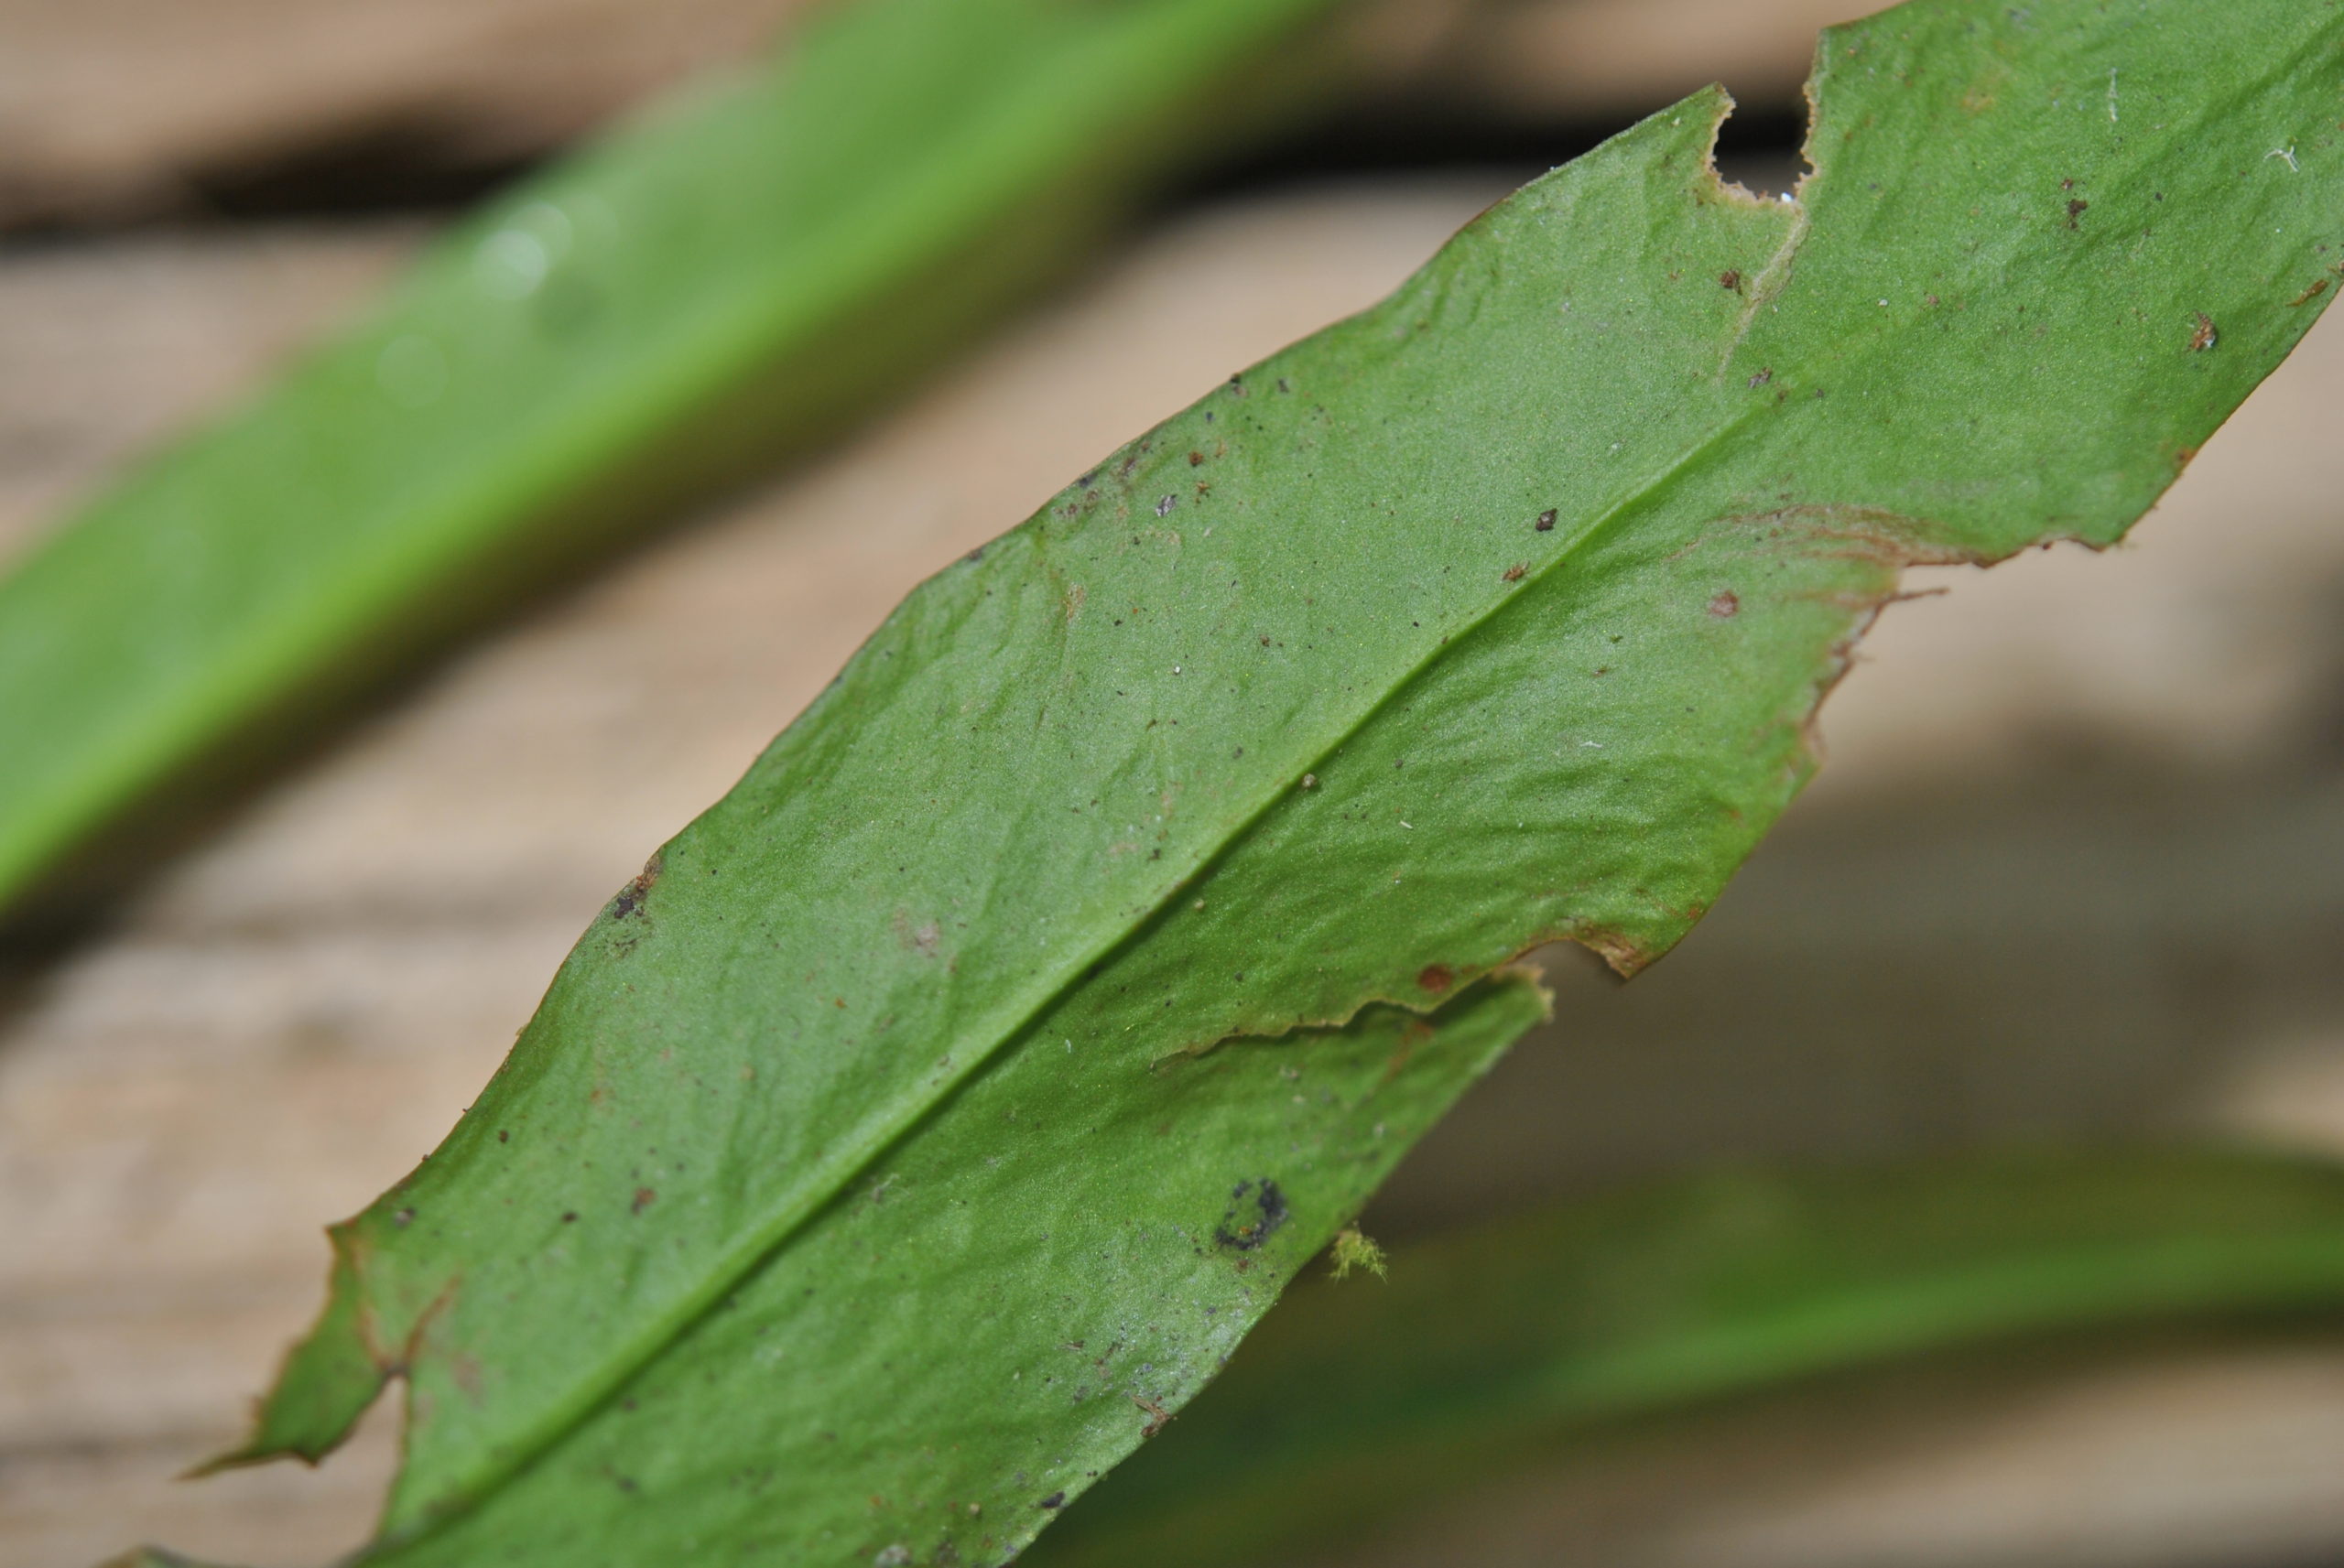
1492,615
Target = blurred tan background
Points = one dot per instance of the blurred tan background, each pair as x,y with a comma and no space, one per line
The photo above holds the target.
2073,866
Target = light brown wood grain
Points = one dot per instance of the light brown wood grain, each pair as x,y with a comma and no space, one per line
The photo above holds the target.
113,110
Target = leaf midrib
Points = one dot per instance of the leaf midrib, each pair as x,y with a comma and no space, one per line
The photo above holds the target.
885,1129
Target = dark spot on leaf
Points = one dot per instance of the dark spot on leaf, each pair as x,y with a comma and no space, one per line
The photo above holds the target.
2206,336
570,1217
1240,1232
1163,507
1055,1500
1513,573
2319,287
1196,460
1435,978
644,1199
1731,278
1545,524
630,896
2076,209
1762,378
1725,604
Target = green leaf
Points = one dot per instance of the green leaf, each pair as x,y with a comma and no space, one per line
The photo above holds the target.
709,290
1352,1403
1492,615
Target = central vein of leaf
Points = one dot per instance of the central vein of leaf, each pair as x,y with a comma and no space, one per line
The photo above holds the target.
856,1152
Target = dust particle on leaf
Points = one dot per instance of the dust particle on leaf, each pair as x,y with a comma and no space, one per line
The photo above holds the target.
1435,978
1514,572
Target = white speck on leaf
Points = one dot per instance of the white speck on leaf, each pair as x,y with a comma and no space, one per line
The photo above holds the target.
2285,154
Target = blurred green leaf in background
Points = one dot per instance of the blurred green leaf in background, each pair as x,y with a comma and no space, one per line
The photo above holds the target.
1491,1345
718,285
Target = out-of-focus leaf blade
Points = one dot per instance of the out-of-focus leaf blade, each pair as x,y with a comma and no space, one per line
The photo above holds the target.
1351,1402
1494,614
706,291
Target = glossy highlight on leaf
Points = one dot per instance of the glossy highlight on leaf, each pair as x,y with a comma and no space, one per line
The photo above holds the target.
710,289
931,1116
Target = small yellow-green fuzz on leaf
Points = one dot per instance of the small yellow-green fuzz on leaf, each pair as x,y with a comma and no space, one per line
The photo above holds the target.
1354,1250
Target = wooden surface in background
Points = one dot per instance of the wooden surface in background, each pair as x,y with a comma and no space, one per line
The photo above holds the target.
2109,786
113,110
